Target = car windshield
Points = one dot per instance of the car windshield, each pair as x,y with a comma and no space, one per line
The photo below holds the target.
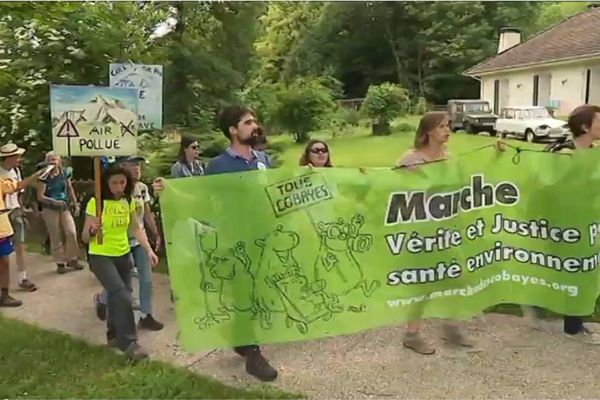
477,107
535,113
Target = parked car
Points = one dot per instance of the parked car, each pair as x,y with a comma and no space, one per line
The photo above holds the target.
533,123
473,116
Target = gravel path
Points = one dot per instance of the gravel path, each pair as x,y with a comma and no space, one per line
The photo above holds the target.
511,361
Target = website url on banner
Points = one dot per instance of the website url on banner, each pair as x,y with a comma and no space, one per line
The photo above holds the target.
483,283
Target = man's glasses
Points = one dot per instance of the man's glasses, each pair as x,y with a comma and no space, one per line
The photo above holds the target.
194,147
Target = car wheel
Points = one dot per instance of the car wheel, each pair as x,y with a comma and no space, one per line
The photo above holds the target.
530,136
468,128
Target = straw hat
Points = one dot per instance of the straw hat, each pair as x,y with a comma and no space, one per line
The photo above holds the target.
10,149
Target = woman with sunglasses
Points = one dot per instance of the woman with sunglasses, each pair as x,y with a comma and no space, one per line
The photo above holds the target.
316,154
187,163
430,144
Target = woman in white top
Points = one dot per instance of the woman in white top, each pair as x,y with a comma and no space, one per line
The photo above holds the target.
430,145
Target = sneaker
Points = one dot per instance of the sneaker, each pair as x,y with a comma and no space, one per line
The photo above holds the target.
100,308
134,272
585,336
135,352
135,305
455,335
27,286
150,323
259,367
74,264
61,269
7,301
416,342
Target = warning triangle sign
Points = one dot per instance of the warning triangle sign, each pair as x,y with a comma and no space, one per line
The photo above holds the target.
67,130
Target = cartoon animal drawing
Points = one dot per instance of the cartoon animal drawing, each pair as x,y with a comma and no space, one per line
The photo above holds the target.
305,302
217,266
282,288
276,260
336,263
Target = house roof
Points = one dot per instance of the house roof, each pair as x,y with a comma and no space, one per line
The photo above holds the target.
575,37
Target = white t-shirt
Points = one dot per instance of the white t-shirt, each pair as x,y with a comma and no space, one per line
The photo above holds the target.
140,198
11,200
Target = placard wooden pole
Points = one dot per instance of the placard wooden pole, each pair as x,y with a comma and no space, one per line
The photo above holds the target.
98,196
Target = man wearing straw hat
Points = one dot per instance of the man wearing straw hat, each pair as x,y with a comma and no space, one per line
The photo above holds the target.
10,160
10,156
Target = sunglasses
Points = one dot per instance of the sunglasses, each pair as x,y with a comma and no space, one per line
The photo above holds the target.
320,150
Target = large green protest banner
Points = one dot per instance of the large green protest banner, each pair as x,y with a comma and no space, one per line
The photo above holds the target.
295,254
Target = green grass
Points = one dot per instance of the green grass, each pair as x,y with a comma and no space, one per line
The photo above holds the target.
358,148
35,363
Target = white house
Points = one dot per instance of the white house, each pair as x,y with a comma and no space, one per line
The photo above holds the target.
558,67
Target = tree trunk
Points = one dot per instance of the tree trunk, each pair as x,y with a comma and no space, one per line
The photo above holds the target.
381,128
395,53
301,137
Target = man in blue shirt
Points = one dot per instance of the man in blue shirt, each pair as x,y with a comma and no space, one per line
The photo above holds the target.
239,125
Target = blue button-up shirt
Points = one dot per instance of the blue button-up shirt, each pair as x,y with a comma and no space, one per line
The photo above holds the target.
230,161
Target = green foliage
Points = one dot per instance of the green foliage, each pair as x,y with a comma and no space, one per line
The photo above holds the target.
302,107
383,103
420,106
405,127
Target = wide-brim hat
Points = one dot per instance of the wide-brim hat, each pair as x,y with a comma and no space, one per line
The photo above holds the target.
10,149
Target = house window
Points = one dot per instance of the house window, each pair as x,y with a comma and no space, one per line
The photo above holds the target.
536,90
496,95
588,80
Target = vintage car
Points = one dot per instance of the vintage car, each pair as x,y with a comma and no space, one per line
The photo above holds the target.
473,116
533,123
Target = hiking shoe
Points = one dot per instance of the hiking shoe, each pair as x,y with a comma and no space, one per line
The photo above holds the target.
455,335
74,264
61,269
416,342
135,352
259,367
585,336
150,323
100,308
7,301
27,286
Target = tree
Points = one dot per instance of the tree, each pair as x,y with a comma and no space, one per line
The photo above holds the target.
383,103
302,107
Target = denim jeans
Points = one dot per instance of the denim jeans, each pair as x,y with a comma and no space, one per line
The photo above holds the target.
114,273
142,262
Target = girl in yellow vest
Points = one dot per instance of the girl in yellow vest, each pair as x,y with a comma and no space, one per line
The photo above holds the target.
110,261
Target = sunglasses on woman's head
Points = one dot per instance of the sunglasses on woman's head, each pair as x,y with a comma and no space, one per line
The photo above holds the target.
319,150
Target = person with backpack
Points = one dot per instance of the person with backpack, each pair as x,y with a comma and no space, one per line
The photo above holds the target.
584,123
110,259
239,125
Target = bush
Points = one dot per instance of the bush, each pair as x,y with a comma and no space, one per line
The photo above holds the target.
383,103
420,106
302,107
406,127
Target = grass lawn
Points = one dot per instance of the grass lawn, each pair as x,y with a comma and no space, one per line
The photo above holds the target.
35,363
358,148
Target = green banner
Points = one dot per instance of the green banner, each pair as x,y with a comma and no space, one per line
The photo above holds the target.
295,254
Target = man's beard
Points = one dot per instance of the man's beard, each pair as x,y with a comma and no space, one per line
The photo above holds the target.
251,141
